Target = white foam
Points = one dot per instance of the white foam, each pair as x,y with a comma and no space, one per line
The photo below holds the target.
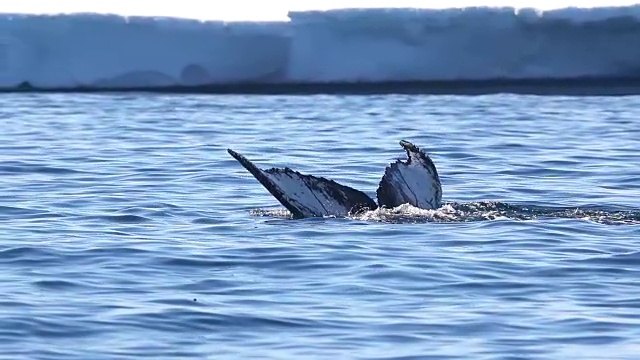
94,50
409,213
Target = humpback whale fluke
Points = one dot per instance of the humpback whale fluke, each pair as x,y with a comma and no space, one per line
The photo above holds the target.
415,182
308,195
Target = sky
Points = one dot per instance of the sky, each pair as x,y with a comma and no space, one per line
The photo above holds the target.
262,9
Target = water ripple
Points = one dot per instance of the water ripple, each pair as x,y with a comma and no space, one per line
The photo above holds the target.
133,234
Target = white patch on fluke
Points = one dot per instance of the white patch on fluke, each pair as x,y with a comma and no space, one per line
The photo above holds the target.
414,181
410,182
317,196
308,195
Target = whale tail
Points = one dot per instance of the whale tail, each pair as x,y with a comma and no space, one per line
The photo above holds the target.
308,195
414,181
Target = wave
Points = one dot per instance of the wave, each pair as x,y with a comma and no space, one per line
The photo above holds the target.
316,50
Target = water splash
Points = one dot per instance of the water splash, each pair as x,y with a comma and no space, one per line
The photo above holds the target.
483,211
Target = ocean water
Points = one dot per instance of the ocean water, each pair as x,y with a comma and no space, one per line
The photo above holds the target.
129,232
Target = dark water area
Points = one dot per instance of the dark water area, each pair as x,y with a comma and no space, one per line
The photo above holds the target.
571,86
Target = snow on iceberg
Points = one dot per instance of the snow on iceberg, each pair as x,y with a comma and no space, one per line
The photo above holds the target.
337,46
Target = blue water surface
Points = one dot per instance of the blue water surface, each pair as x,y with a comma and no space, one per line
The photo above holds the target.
127,230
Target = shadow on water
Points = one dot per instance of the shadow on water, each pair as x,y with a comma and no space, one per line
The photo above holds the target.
485,210
628,84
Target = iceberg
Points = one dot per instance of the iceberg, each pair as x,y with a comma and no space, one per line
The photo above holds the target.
88,51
